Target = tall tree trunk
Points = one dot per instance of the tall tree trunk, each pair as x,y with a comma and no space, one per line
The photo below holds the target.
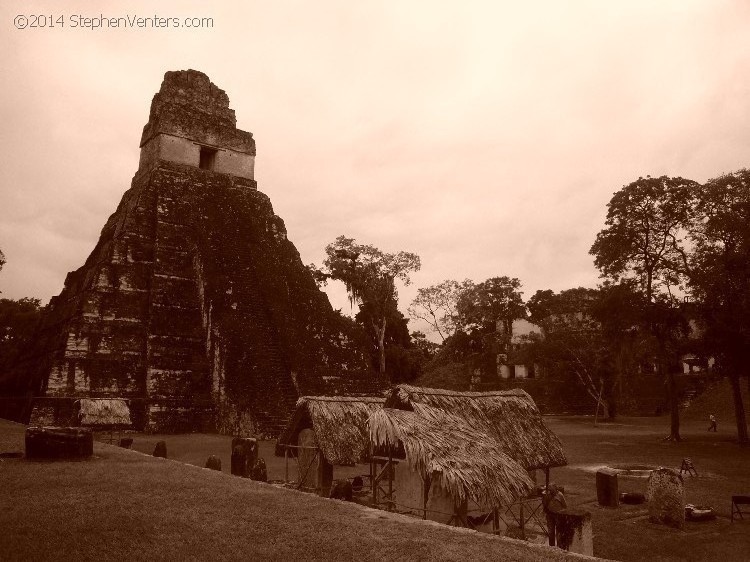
381,347
674,404
665,373
380,335
739,408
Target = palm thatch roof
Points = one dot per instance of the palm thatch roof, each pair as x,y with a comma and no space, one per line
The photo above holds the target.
339,423
104,412
509,416
469,464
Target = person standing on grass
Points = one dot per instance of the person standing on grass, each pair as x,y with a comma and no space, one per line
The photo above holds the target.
553,502
712,420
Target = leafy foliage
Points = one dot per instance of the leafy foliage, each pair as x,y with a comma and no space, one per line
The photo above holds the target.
427,348
482,306
645,234
720,272
18,320
369,276
436,305
720,278
573,344
403,360
644,242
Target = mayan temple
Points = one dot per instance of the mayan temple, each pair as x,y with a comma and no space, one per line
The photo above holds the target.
194,305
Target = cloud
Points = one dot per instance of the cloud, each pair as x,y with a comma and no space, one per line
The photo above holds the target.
485,136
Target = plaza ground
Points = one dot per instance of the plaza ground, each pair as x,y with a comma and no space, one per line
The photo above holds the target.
123,505
127,504
624,533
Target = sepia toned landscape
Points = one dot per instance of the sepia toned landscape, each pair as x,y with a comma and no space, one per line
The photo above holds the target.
371,282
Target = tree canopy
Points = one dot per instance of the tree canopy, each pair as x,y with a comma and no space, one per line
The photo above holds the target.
482,306
18,320
720,278
369,276
436,305
644,237
644,241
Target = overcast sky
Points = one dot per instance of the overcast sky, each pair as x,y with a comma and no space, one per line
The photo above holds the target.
487,137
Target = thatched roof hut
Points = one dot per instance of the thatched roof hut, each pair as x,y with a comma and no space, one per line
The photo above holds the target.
339,423
511,417
104,412
467,463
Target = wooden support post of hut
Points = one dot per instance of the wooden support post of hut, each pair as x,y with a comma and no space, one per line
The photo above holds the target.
325,480
391,471
384,467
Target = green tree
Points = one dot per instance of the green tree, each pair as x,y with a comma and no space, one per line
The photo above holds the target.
720,279
403,359
484,314
369,276
18,320
644,241
427,348
436,305
572,342
492,303
619,311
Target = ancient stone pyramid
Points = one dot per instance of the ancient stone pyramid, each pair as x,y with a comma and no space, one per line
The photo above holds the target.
194,305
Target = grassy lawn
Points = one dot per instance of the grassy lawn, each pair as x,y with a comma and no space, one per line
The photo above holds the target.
122,505
196,448
625,533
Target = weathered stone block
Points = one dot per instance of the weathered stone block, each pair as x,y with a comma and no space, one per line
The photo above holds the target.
573,531
244,455
214,463
161,449
666,498
59,443
259,471
240,465
341,490
357,484
606,487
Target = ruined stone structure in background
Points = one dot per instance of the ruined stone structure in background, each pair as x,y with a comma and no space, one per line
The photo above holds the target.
194,305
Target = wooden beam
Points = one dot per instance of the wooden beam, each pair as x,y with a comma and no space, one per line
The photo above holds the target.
390,479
